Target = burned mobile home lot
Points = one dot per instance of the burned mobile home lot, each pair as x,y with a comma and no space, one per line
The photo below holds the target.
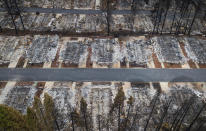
110,35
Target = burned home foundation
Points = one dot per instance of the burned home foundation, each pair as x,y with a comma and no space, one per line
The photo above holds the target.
107,65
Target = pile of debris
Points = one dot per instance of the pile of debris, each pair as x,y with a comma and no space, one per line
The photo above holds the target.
195,49
168,49
43,49
74,52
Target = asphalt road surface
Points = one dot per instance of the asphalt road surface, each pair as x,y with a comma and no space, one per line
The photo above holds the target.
78,74
77,11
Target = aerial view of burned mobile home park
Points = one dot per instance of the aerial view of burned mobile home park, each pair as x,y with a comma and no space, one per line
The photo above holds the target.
102,65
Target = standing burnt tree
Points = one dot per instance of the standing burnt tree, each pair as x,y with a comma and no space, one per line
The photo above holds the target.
153,103
161,14
165,111
108,17
14,11
133,12
75,119
116,111
127,120
179,22
198,118
85,115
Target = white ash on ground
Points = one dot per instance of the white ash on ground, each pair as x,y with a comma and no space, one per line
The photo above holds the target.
99,98
42,49
88,23
104,50
138,23
74,52
143,23
7,48
168,49
195,49
66,4
79,23
20,97
81,4
138,51
122,23
63,99
73,23
12,48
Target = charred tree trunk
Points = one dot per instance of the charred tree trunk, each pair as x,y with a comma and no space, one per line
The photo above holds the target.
182,119
99,123
128,113
185,110
163,116
168,5
72,118
190,126
85,121
19,13
186,26
177,115
153,106
133,11
119,114
133,122
201,126
55,120
156,17
108,17
83,109
173,19
193,20
42,114
10,13
160,19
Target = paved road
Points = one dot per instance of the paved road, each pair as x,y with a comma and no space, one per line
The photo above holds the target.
131,75
62,11
77,11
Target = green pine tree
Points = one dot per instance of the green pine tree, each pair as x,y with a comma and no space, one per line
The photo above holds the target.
39,110
11,119
50,112
31,120
84,114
